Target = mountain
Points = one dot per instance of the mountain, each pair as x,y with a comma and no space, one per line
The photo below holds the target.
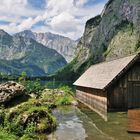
63,45
113,34
19,54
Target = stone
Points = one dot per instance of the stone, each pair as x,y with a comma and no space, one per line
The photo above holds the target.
74,103
10,90
33,116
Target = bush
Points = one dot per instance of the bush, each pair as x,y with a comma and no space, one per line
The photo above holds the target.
30,130
33,86
30,86
63,101
4,135
22,77
27,137
61,96
13,127
66,89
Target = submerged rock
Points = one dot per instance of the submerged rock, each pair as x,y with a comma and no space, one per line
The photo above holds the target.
10,90
74,103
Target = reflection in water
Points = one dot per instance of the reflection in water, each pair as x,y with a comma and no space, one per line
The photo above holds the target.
84,124
115,127
70,127
75,125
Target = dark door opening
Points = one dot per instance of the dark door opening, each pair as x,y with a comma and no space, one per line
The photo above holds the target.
134,95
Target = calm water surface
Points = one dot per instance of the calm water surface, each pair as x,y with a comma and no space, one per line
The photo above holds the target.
83,124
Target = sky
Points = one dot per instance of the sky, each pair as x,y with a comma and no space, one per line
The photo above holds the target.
64,17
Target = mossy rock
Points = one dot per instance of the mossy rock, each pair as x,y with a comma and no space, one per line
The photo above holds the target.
17,119
47,124
39,116
57,97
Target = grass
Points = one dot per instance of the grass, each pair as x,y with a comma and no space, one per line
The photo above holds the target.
65,100
61,96
4,135
17,120
25,118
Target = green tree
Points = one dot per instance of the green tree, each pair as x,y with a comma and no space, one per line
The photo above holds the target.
23,76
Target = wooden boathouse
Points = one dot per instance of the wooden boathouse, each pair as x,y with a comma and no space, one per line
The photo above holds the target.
111,86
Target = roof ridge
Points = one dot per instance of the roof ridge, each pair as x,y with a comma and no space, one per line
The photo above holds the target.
125,68
100,77
135,54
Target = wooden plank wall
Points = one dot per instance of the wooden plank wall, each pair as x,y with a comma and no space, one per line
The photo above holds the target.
120,93
134,95
93,101
134,120
117,97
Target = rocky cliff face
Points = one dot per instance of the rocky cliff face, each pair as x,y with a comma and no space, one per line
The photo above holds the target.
19,54
63,45
118,31
84,45
115,33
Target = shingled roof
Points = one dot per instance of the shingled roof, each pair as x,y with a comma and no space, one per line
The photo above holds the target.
100,76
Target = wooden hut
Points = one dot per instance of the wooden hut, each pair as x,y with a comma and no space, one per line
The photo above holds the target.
113,85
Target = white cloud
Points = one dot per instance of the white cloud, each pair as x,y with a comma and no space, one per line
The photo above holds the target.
80,2
26,24
66,17
60,6
64,22
11,4
13,10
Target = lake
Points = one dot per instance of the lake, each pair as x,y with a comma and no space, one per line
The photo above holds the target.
80,123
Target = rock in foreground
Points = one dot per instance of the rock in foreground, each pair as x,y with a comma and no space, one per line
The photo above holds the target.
10,90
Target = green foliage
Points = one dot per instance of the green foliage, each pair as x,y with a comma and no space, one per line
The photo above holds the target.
36,109
61,96
27,137
33,86
58,84
124,42
23,76
15,128
125,26
4,135
40,119
24,120
15,68
93,21
47,124
4,76
65,100
30,130
30,86
1,75
66,89
11,126
137,46
68,72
